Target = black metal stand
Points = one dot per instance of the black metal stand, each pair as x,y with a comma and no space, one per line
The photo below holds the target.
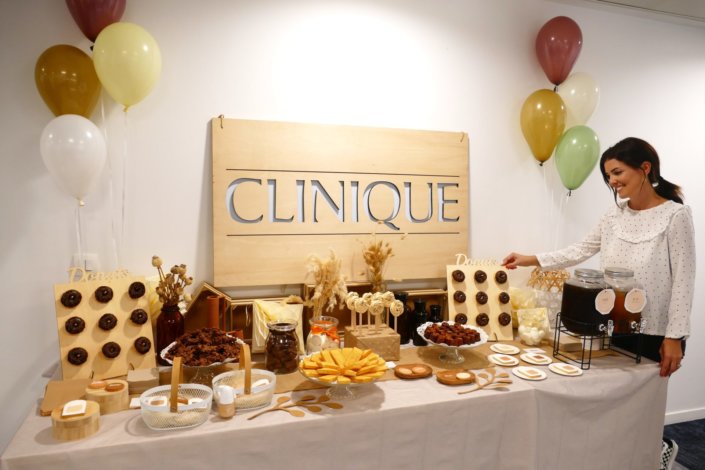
588,341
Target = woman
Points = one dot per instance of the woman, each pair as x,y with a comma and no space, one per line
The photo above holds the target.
649,231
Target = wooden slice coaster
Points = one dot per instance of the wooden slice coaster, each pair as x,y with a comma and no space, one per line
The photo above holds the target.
412,371
455,377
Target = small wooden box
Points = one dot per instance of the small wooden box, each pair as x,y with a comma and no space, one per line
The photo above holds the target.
384,342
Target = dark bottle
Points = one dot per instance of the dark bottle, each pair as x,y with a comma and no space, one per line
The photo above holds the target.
403,320
170,325
435,315
420,318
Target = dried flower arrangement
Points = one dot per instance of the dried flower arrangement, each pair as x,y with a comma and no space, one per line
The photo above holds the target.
171,286
376,253
329,283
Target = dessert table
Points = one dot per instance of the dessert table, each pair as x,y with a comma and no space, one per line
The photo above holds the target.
610,417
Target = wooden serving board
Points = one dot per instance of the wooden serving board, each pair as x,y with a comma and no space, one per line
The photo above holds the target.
412,371
449,377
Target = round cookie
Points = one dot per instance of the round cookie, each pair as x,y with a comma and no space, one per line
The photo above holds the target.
481,298
504,319
77,356
459,296
74,325
107,321
104,294
500,277
482,319
458,275
71,298
136,290
139,316
504,298
480,276
111,350
461,318
143,345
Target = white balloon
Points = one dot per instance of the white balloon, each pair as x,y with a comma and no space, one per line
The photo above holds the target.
580,94
74,152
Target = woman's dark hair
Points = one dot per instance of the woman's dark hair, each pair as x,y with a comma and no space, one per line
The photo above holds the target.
633,152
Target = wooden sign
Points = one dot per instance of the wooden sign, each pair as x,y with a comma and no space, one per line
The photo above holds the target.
282,191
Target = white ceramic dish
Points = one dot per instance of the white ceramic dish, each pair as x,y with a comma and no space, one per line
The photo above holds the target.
505,348
565,369
536,359
503,360
529,373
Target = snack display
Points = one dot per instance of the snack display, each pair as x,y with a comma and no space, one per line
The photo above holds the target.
343,366
203,347
451,334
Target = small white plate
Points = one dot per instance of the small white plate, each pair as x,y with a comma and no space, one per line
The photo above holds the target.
565,369
533,350
536,359
503,360
529,373
504,348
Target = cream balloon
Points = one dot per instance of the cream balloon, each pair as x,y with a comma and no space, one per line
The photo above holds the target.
128,62
74,151
580,94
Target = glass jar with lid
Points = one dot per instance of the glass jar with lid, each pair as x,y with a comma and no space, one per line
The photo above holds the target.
322,335
281,354
629,300
586,303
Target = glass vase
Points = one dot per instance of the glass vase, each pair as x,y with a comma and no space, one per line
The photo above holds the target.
322,335
170,325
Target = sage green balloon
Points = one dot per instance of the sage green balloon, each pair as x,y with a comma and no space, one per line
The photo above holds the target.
577,153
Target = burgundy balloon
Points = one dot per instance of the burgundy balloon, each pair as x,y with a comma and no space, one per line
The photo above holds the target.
558,45
94,15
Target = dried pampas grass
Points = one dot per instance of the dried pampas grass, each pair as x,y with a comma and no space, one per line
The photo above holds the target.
329,283
376,253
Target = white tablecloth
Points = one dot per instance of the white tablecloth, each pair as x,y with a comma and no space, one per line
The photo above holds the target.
609,418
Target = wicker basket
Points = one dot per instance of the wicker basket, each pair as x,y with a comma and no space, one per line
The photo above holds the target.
248,397
169,414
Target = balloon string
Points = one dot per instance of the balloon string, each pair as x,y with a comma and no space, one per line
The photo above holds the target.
79,234
124,181
111,185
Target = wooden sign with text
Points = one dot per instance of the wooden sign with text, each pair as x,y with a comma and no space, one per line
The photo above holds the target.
282,191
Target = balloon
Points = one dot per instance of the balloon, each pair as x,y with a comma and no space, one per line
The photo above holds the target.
542,122
576,155
128,62
558,45
74,151
580,94
67,81
92,16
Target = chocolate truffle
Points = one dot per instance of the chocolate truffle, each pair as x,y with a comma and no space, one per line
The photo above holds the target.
482,319
459,296
136,290
70,298
504,319
480,276
74,325
107,321
458,275
104,294
77,356
111,350
143,345
500,277
139,316
481,298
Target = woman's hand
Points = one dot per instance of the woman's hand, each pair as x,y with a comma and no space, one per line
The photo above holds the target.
513,260
671,356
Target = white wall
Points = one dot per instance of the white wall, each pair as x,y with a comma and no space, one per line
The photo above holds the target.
452,65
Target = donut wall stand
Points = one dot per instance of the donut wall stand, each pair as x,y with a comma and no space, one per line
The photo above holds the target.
104,328
478,294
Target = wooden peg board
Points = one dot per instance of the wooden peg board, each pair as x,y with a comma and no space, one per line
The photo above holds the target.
471,307
92,338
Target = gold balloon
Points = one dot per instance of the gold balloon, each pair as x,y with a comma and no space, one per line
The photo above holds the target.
67,81
543,122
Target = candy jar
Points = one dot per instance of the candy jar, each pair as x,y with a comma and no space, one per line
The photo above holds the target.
322,335
281,354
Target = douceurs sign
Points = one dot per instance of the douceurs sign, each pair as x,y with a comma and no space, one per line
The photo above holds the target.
282,191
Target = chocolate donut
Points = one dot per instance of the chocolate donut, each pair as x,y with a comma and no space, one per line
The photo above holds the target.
459,296
481,298
480,276
139,316
77,356
504,319
107,322
458,275
104,294
143,345
70,298
74,325
482,319
111,350
136,290
504,298
500,277
461,318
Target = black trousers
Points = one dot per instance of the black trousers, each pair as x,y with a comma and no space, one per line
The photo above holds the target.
650,345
